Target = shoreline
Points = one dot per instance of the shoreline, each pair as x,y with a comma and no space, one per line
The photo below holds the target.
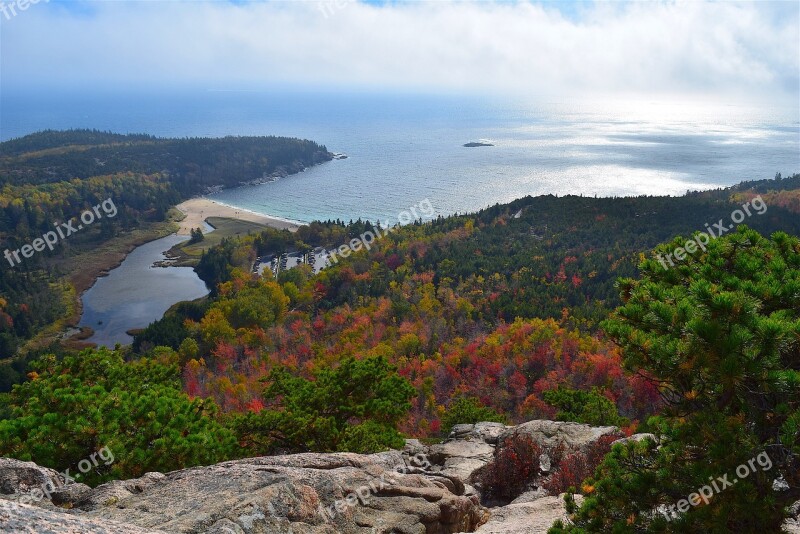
198,209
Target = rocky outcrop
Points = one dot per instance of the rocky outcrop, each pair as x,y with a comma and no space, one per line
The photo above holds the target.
421,490
637,438
303,493
470,449
574,437
467,449
17,477
541,449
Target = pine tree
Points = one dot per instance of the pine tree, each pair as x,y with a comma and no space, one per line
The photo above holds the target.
353,407
72,408
720,334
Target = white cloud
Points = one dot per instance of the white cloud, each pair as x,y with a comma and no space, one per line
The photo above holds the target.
748,49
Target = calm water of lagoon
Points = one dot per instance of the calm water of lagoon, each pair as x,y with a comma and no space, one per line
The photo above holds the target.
135,294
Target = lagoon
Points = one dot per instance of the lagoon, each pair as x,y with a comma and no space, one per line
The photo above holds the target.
135,294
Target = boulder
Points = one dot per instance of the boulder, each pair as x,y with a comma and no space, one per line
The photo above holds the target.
461,458
637,438
487,432
69,495
18,477
466,450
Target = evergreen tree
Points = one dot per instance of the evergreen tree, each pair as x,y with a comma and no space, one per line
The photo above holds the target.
720,334
468,410
589,407
353,407
72,408
197,235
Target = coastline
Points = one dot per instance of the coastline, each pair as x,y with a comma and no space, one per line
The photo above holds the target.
197,210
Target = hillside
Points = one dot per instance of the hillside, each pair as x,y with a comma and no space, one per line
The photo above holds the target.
487,306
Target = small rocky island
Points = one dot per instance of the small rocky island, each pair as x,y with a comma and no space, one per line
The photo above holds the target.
477,143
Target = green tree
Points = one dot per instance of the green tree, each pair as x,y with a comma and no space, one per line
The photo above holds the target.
720,334
353,407
248,302
188,350
72,408
590,407
468,410
197,235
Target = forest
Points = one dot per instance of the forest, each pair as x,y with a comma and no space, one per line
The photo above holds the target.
190,164
487,306
544,308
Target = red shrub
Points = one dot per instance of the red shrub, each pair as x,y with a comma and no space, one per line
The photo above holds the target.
516,467
578,466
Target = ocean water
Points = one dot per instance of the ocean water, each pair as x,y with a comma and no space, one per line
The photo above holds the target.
404,149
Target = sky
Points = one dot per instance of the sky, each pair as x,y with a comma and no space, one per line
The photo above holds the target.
735,50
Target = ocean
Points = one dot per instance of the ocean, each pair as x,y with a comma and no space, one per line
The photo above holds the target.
404,149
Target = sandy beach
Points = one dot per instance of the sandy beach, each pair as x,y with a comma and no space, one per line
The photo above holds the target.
199,209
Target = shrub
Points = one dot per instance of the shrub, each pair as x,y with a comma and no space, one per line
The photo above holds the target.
517,467
469,410
590,407
72,408
353,407
576,467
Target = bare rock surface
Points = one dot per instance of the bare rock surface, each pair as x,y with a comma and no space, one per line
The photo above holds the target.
23,477
112,492
303,493
466,450
25,519
533,517
486,432
530,496
461,458
67,496
637,438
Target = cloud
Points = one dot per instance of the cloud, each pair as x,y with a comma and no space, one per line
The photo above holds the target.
745,49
